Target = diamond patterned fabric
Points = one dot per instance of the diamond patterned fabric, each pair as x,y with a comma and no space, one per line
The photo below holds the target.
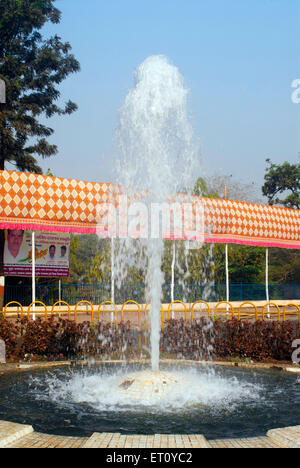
39,202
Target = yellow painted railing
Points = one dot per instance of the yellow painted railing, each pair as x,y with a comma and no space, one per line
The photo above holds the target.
84,302
147,306
271,312
33,311
112,311
291,305
139,317
162,318
227,303
177,302
9,304
134,303
57,304
225,308
200,302
248,303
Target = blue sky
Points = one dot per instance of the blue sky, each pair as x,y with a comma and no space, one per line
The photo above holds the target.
238,59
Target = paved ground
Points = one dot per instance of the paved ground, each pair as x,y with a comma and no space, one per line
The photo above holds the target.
19,436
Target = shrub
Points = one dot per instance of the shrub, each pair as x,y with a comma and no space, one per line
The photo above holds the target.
38,336
9,333
201,339
53,337
191,340
258,340
103,339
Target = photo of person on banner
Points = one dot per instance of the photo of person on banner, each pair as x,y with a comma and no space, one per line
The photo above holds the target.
14,249
63,252
52,251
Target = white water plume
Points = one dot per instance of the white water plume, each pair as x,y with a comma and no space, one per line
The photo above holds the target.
159,157
186,390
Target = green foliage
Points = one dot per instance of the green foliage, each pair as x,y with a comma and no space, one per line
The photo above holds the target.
90,262
201,189
214,187
82,253
284,266
246,263
31,67
283,179
100,266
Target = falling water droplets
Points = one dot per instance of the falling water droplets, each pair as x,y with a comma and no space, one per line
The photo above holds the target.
159,156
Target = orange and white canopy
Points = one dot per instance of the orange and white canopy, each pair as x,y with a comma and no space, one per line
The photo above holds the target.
44,203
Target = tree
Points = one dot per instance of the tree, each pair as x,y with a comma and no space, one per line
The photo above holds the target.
201,189
100,267
32,68
82,252
214,187
283,179
285,266
246,264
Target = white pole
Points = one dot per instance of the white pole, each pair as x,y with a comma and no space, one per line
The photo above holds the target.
33,271
112,258
227,274
226,260
173,275
267,275
59,290
267,280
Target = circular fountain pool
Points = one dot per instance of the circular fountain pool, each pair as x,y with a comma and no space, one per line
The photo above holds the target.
216,402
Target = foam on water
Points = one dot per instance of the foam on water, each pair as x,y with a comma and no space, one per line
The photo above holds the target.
183,390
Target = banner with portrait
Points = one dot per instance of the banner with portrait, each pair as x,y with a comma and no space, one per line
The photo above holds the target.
52,253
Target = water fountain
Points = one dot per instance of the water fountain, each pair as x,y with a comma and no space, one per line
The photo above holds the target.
216,402
159,158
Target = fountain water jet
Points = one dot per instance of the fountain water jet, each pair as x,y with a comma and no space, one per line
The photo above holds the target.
159,156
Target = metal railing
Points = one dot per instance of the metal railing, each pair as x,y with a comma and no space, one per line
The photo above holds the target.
175,309
97,293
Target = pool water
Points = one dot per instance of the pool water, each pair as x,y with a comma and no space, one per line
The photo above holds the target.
214,401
